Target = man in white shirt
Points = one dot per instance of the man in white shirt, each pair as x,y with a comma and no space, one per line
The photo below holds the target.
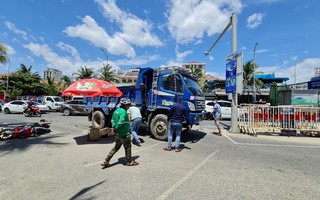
135,119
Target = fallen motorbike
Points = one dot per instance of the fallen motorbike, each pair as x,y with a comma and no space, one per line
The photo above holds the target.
32,111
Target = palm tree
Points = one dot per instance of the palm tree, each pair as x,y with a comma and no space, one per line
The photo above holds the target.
3,54
84,73
107,74
27,72
200,76
249,68
65,82
52,87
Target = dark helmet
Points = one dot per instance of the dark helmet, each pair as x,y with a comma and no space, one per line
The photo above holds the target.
125,101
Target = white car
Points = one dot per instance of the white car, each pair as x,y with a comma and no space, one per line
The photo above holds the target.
42,108
225,108
18,106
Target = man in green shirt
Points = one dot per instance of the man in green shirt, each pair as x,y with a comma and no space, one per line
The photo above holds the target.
121,126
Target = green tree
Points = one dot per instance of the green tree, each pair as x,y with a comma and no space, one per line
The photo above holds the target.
65,82
107,74
52,87
3,54
24,82
200,76
249,69
84,72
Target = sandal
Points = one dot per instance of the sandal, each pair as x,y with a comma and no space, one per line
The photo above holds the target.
133,163
178,150
167,148
105,164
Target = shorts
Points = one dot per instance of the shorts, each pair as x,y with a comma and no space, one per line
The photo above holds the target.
216,120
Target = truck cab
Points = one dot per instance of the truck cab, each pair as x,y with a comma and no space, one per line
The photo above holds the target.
53,102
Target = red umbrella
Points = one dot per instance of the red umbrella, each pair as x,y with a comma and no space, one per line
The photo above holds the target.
92,87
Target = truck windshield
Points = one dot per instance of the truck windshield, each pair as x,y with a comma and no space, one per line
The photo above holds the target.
58,99
192,86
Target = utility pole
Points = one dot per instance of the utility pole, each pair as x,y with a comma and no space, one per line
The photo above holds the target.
254,72
234,104
7,88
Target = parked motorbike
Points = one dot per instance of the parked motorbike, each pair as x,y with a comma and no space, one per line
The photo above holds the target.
32,111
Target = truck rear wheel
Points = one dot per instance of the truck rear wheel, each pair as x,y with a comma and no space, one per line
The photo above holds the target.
159,127
99,120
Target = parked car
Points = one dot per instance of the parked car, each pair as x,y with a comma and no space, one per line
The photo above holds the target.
18,106
73,107
43,108
15,106
225,109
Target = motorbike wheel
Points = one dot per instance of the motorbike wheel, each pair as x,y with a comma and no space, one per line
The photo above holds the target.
38,114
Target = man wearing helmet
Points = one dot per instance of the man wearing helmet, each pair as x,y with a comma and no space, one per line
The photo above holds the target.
121,127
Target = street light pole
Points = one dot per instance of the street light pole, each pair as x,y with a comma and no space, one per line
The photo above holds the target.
105,55
7,88
254,72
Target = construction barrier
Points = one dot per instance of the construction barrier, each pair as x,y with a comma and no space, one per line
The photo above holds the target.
254,119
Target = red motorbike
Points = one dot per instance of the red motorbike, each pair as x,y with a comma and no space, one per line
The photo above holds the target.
32,111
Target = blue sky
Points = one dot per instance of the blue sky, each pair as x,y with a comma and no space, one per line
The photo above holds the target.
69,34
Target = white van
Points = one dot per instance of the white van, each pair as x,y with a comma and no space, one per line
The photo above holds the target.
53,102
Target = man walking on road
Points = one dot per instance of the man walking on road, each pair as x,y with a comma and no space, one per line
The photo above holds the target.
177,114
135,119
121,127
217,116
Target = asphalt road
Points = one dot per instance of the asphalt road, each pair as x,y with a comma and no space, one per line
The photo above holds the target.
64,165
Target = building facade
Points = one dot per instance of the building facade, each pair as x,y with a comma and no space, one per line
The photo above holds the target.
53,74
191,66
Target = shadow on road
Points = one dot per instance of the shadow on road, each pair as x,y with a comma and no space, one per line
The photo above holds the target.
81,194
84,139
9,146
192,136
225,126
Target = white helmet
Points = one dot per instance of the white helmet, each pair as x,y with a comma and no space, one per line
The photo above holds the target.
125,101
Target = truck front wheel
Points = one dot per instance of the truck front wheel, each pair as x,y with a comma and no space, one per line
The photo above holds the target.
98,119
159,127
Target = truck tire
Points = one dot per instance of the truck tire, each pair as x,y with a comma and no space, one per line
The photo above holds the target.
99,120
159,127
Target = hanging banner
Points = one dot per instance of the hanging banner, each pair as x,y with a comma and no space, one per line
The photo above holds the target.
231,74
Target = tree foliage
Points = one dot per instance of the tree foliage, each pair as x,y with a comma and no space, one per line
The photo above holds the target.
107,74
249,69
3,54
83,73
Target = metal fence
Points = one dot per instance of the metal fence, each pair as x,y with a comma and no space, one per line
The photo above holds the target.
254,119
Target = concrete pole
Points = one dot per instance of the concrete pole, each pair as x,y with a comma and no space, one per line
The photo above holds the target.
234,104
254,73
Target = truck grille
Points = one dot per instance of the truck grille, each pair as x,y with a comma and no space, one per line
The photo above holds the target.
200,105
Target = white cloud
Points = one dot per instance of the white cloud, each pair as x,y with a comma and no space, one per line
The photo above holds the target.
17,31
304,70
255,20
133,29
180,56
190,20
70,49
10,49
66,64
137,61
217,75
95,34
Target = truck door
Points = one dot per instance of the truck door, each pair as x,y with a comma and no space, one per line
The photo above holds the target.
50,102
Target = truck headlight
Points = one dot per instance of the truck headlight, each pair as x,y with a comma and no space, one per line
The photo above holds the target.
191,106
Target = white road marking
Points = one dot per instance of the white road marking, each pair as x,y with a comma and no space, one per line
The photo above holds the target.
140,149
177,184
278,145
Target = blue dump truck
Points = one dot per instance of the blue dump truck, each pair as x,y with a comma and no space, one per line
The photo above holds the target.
155,91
